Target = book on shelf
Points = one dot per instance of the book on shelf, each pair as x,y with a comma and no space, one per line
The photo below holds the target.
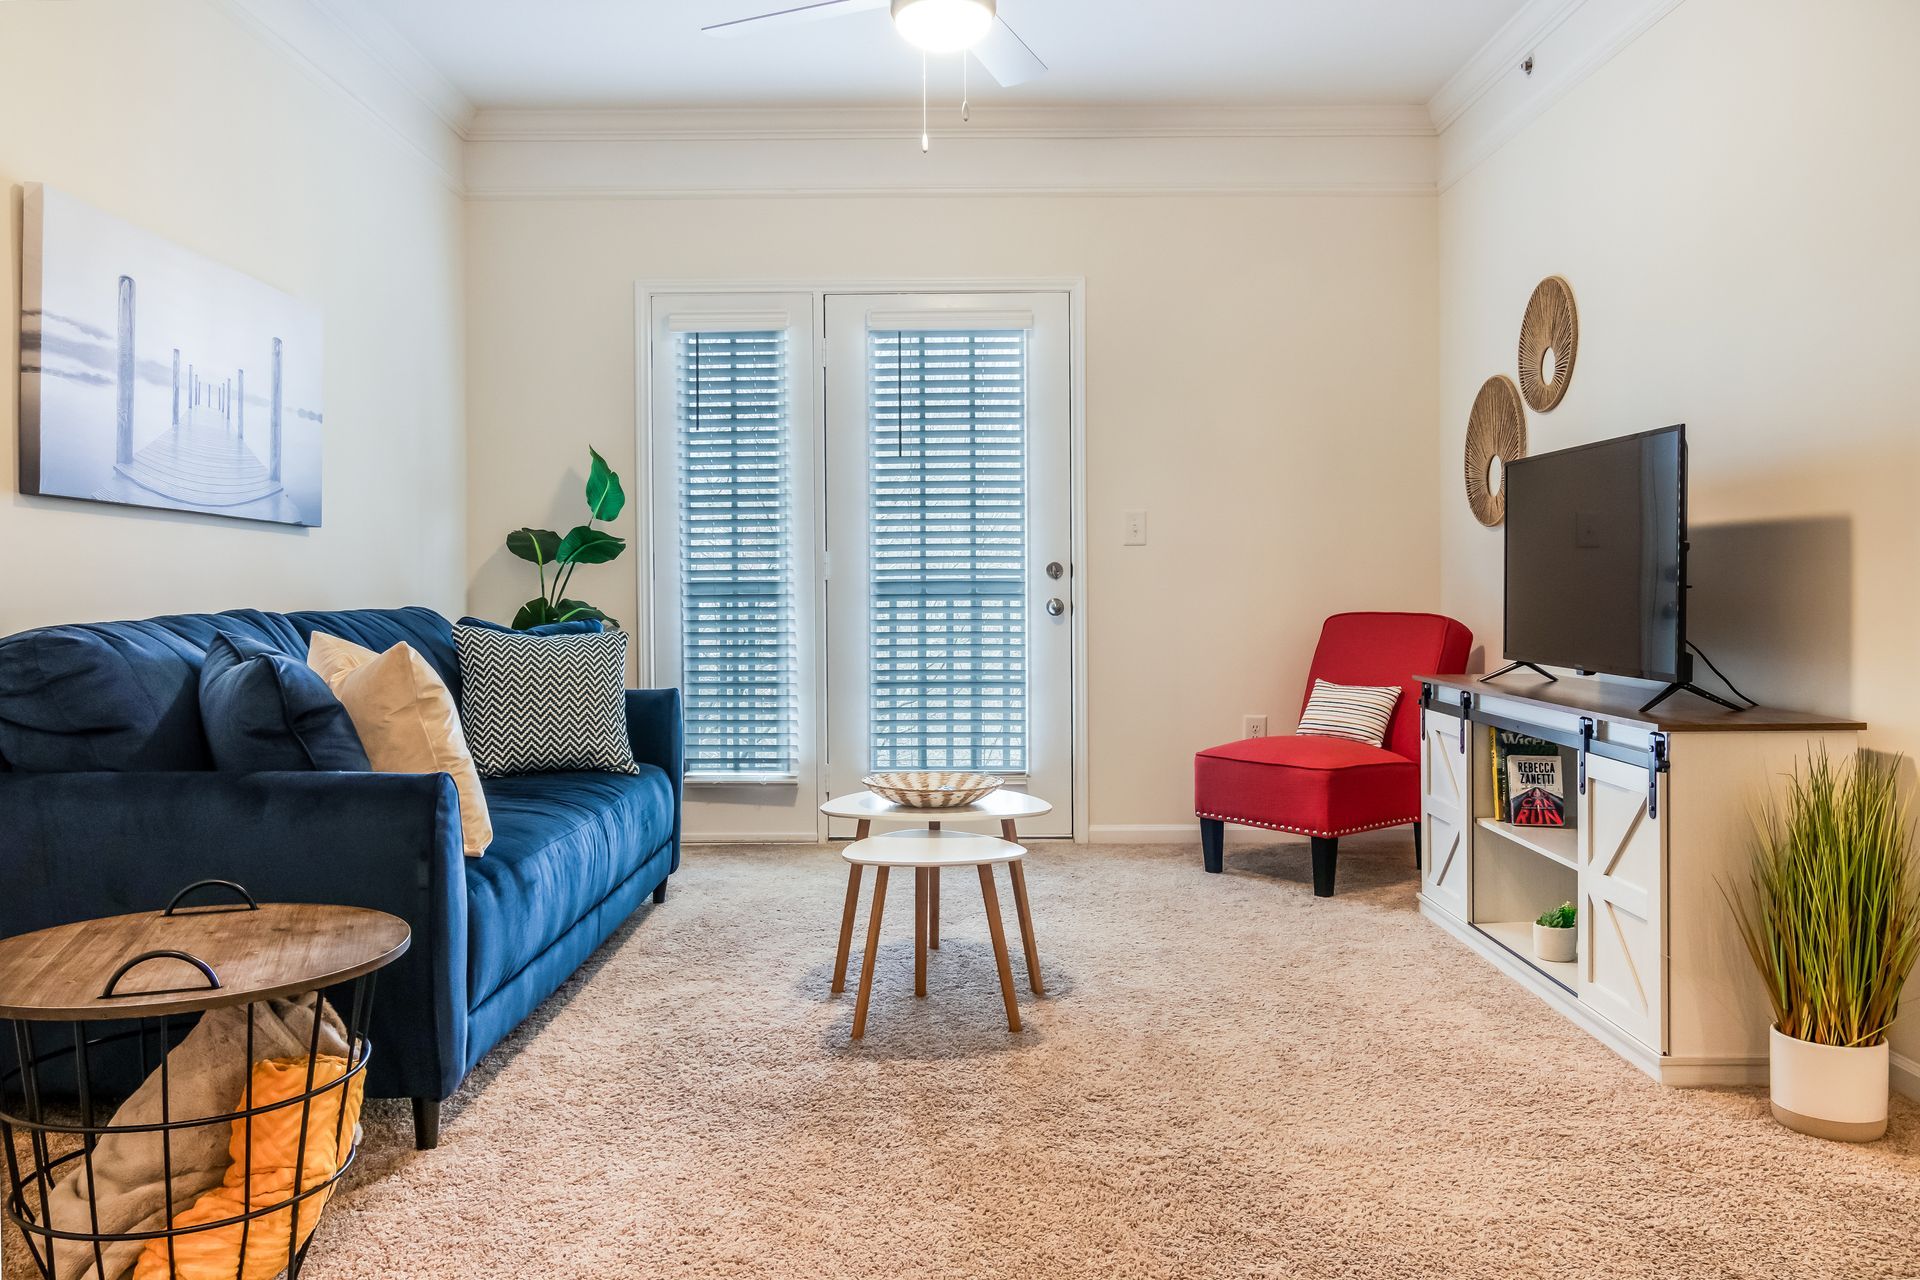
1529,781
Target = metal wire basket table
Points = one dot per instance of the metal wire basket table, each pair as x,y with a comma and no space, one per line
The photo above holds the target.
83,1005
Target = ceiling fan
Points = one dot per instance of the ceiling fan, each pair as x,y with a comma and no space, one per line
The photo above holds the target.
934,26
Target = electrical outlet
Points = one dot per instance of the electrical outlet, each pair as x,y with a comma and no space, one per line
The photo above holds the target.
1253,727
1136,534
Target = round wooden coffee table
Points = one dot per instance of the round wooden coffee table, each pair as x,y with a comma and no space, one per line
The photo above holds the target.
928,851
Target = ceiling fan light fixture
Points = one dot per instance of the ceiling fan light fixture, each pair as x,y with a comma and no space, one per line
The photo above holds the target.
943,26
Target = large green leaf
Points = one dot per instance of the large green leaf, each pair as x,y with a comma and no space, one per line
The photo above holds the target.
589,546
541,546
580,611
605,498
535,612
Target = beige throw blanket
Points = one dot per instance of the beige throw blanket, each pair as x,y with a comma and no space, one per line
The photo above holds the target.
208,1075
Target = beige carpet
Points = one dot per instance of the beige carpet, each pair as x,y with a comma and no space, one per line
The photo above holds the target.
1230,1078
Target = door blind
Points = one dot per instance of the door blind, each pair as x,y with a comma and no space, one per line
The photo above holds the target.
737,632
948,529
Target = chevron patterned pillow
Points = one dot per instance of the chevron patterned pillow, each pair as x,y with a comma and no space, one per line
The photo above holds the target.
539,704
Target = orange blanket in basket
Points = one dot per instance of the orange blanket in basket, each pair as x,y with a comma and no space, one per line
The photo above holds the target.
215,1255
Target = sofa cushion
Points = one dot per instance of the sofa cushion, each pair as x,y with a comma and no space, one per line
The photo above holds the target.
126,695
1311,785
380,629
116,695
264,710
579,627
561,843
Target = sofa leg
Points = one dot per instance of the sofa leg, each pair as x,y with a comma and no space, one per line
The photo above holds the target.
426,1123
1213,843
1416,846
1326,851
660,892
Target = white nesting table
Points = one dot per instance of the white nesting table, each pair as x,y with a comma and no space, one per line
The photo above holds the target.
928,851
1002,806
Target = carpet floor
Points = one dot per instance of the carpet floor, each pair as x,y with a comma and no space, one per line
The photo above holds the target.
1228,1078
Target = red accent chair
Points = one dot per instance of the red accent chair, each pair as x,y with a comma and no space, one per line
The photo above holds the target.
1326,788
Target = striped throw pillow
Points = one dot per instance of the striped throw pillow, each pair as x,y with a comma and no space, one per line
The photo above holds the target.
1358,712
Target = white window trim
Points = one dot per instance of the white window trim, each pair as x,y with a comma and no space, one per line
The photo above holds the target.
645,291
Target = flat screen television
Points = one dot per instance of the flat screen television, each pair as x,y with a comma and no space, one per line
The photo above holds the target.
1597,557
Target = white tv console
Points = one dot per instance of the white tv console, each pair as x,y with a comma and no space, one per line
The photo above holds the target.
1664,804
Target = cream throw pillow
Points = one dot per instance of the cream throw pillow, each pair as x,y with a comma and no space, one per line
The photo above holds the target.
406,719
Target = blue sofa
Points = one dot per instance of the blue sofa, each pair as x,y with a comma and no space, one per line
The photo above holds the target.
109,802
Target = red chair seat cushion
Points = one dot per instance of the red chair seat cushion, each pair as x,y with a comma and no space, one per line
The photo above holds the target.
1310,785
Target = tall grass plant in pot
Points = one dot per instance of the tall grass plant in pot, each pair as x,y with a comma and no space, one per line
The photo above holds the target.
1832,920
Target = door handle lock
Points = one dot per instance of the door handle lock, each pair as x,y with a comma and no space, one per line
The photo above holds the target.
1056,607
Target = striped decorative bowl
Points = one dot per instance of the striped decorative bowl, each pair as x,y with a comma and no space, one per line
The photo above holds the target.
945,789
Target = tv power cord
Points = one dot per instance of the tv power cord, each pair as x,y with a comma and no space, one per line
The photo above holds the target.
1731,687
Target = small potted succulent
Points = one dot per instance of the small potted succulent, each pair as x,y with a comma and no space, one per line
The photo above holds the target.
1832,921
1554,934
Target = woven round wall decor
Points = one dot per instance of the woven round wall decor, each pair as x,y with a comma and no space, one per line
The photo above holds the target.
1496,429
1549,339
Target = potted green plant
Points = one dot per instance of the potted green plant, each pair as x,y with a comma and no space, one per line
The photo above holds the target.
1832,921
1554,934
555,556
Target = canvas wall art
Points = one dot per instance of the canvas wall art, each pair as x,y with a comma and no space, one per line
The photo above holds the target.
154,377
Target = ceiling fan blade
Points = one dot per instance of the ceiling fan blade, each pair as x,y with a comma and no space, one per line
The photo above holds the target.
1006,56
791,12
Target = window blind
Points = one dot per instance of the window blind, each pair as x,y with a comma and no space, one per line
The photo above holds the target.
947,469
737,629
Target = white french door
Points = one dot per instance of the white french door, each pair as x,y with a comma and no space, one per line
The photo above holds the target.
949,538
861,545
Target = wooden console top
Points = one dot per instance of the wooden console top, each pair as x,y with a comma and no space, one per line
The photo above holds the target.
1682,713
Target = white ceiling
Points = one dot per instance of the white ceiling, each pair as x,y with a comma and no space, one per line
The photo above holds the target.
650,53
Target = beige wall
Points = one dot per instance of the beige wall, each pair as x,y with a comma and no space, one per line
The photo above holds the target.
177,116
1735,201
1257,368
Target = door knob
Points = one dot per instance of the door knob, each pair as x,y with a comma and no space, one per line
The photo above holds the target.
1055,607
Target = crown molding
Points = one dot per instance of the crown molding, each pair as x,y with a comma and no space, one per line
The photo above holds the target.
1506,50
626,164
400,58
1493,99
760,124
346,46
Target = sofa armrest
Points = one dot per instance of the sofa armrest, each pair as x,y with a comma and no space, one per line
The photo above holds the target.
80,845
657,733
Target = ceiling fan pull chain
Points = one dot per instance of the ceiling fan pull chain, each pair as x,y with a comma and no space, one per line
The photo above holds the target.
926,140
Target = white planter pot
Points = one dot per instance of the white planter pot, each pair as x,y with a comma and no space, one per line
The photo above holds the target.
1554,944
1827,1091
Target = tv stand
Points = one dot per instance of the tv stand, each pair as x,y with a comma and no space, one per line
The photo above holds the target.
1517,666
1687,686
1660,807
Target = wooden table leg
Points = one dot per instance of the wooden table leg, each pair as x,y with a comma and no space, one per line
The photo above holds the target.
1027,941
992,900
862,828
1008,831
920,931
846,928
873,949
933,907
